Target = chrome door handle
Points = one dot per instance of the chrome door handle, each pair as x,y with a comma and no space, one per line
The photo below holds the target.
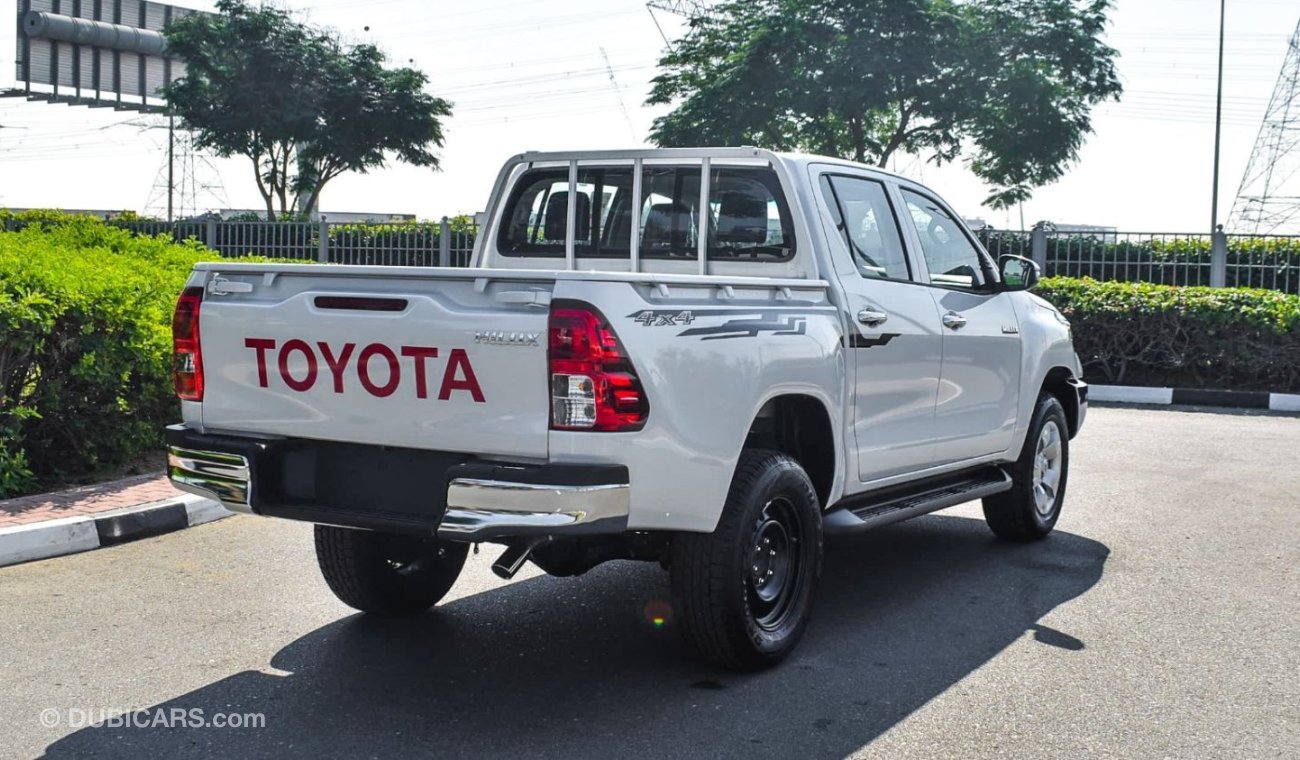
872,317
954,321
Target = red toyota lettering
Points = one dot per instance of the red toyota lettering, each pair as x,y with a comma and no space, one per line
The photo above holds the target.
394,371
309,380
336,365
420,354
459,360
261,346
458,375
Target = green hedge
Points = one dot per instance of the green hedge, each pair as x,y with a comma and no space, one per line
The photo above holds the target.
1158,335
85,344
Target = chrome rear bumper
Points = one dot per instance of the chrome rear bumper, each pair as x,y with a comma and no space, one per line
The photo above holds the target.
480,510
216,475
416,492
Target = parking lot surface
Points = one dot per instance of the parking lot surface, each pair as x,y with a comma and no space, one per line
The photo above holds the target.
1160,620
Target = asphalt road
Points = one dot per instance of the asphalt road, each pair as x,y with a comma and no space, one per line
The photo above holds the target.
1160,620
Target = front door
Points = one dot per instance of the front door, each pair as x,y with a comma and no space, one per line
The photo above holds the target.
979,385
893,341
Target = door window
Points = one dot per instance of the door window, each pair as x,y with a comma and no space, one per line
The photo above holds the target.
866,220
953,260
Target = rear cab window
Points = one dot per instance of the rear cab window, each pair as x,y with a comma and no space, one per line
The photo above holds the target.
748,218
867,224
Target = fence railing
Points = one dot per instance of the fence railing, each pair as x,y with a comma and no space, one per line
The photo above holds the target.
418,244
1218,260
1168,258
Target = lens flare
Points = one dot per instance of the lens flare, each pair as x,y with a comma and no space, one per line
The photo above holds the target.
658,613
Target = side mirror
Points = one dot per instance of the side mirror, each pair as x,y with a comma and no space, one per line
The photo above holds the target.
1018,273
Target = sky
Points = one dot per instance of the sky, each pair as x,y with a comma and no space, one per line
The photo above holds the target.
528,75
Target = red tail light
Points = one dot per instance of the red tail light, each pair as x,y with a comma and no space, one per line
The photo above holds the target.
187,357
593,383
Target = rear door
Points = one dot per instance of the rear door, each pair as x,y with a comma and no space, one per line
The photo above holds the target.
893,336
975,413
410,360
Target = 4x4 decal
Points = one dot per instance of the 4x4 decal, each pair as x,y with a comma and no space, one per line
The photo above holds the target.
743,324
651,318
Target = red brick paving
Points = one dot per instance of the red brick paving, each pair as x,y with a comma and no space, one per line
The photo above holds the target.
86,500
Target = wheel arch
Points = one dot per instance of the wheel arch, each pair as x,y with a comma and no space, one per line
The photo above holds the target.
799,425
1057,384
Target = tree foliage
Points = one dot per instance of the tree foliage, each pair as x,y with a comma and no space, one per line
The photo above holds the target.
1008,85
303,106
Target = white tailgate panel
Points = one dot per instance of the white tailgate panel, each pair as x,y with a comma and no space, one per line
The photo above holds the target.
476,398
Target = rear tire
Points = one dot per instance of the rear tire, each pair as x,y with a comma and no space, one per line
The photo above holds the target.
387,573
744,593
1029,511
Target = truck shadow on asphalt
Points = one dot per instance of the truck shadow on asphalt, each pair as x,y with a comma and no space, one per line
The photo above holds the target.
574,668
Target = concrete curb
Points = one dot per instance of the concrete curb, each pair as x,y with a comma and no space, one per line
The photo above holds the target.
1131,394
55,538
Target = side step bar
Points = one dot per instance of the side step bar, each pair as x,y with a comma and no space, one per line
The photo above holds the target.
893,505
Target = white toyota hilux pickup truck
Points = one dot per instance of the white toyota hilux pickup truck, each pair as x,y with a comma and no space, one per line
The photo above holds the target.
708,358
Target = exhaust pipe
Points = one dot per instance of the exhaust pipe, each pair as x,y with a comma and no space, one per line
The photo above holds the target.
513,558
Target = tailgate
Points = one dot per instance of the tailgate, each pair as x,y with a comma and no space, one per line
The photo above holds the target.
423,360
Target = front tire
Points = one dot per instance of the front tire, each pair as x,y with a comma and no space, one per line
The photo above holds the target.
1029,511
744,593
387,573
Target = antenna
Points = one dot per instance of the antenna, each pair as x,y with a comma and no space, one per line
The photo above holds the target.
1268,200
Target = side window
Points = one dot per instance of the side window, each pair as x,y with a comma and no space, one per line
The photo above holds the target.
670,217
748,219
539,213
953,260
865,218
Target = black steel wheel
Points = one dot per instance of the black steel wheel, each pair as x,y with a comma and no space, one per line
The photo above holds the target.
744,593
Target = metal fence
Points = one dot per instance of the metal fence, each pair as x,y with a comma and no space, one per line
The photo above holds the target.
1219,260
419,244
1167,258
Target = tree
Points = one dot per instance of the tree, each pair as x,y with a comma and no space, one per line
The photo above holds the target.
301,105
1007,84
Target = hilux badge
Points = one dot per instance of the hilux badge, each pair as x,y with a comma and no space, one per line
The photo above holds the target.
497,338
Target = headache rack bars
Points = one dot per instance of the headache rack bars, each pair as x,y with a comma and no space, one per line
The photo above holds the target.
638,158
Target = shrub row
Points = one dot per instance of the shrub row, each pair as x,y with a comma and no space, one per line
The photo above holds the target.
85,345
1157,335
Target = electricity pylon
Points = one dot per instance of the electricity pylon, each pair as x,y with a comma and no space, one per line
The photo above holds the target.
687,8
1268,200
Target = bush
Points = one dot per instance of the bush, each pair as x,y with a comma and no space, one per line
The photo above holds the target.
1159,335
85,345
